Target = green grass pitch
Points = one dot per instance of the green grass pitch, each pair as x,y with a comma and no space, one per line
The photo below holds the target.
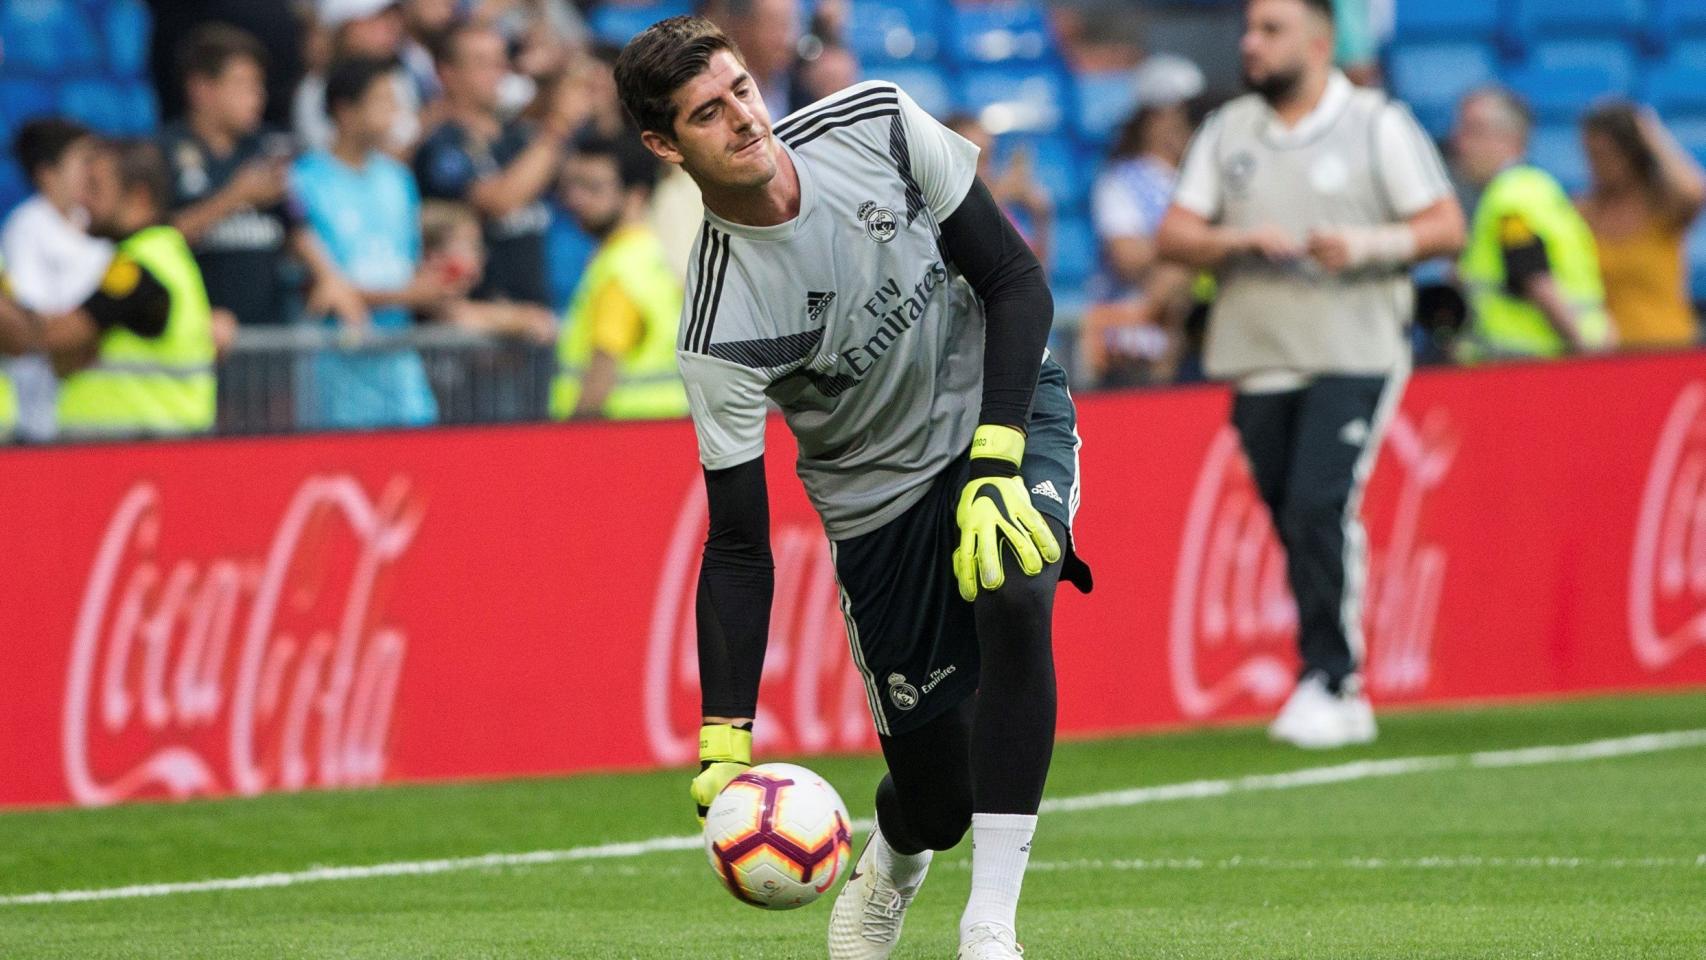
1581,859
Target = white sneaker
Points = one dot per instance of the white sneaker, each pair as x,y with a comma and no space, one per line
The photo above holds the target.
989,941
865,924
1315,719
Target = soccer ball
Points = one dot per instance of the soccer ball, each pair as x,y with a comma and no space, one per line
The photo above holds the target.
778,836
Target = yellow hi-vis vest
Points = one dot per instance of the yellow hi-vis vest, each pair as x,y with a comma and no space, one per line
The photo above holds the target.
141,385
648,385
1528,198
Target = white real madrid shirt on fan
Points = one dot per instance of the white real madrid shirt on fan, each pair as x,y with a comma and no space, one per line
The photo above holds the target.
1358,159
848,317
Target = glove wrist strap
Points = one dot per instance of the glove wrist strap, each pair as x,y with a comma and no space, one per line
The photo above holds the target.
996,442
724,743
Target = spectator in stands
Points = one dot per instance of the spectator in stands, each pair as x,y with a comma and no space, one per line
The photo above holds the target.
454,250
1133,333
1645,193
616,356
503,169
52,261
364,208
228,176
1530,270
138,357
426,23
279,28
768,34
1015,187
360,29
831,69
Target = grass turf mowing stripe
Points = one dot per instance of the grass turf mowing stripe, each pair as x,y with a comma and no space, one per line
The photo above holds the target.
1197,789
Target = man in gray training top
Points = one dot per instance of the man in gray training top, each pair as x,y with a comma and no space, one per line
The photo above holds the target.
1311,198
853,271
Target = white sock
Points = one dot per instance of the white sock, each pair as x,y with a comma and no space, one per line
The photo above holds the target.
904,870
1001,847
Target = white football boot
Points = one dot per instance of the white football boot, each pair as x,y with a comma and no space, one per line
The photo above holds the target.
865,924
989,941
1316,719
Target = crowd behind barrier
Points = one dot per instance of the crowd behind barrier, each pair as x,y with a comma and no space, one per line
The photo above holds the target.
420,211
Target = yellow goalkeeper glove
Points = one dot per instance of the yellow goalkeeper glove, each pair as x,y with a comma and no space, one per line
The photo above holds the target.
725,752
996,507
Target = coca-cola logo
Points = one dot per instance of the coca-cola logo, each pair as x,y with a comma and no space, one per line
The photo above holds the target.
1233,627
813,698
237,672
1667,575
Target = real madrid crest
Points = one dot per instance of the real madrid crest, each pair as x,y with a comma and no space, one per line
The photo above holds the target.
880,222
904,695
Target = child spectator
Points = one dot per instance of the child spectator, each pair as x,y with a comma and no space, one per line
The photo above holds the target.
364,210
52,262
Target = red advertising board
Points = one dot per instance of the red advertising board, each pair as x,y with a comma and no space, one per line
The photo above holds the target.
241,616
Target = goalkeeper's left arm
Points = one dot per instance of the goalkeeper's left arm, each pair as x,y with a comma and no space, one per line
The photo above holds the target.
995,508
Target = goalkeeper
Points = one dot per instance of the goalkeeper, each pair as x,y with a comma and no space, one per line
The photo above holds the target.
853,271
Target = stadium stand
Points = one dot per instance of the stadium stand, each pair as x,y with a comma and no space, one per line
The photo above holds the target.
87,59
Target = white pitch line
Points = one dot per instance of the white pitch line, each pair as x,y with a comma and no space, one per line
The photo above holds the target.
1192,790
1556,862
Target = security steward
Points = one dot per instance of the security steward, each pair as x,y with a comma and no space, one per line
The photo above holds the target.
1531,269
137,359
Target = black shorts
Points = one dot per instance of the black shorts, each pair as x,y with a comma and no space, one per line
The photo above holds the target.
913,638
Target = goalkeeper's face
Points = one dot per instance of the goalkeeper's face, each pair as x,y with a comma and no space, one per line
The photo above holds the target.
722,129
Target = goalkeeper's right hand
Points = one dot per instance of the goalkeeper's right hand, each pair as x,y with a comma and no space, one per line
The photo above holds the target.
725,752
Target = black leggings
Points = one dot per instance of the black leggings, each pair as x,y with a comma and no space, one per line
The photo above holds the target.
990,753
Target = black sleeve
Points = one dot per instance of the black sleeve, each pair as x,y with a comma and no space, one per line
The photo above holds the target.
1524,253
1018,308
130,298
736,583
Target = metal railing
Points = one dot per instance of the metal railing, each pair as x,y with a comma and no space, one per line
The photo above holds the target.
290,379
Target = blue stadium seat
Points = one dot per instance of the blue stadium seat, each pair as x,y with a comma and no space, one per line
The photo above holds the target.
931,87
1679,19
1017,99
1447,19
1563,77
47,38
123,109
1533,20
1697,261
1073,253
618,22
1057,165
23,99
1000,30
13,187
883,30
1557,149
127,26
1676,86
1105,100
1691,133
1433,77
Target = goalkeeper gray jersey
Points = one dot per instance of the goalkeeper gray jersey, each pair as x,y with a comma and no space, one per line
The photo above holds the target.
849,318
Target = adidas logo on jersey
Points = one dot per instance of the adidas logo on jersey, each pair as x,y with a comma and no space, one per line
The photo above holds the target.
817,303
1046,489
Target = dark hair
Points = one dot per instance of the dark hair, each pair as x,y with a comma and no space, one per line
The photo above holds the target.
1132,138
211,47
141,164
444,46
44,142
349,80
636,165
659,61
1619,123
